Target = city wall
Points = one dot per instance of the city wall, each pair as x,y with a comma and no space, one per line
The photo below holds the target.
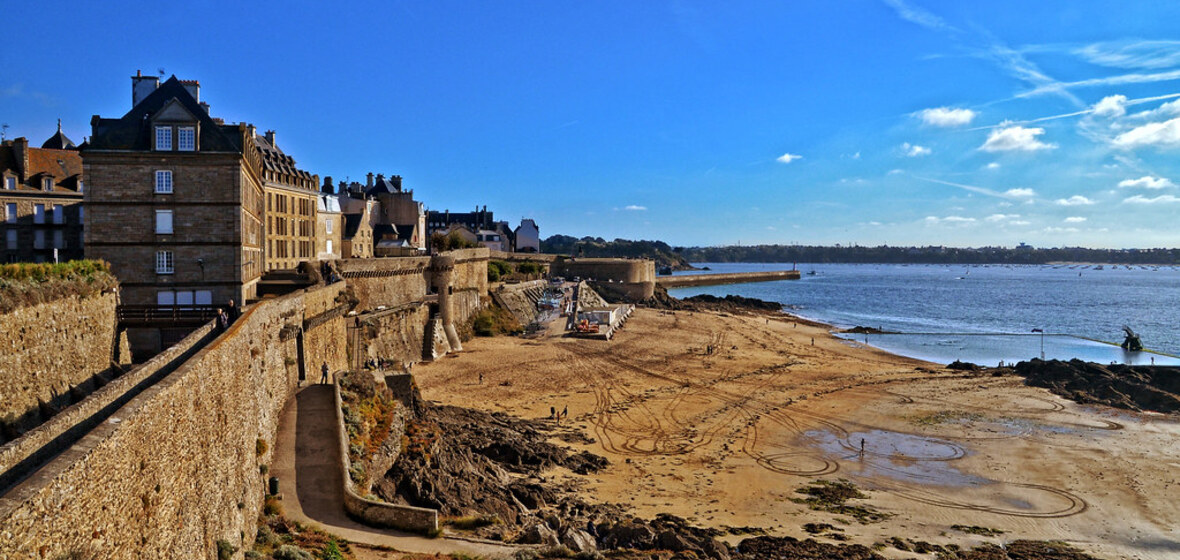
386,281
727,278
52,352
629,280
176,469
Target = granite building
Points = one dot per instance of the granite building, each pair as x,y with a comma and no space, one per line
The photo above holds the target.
41,192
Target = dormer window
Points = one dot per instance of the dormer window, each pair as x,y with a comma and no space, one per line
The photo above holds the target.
10,183
47,183
163,138
186,138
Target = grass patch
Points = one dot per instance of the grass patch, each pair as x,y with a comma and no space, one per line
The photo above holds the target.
832,496
283,539
493,320
368,416
28,284
977,530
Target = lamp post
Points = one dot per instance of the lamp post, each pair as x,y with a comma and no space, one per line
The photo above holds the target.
1042,331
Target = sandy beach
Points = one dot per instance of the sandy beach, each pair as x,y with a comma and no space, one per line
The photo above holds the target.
721,418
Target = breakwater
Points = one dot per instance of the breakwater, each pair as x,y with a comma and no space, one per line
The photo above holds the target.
727,278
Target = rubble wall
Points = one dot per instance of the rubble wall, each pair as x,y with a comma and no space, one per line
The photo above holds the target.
386,281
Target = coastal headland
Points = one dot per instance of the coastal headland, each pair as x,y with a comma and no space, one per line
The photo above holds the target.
723,419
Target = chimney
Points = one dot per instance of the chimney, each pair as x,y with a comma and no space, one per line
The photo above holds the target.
193,87
205,106
369,184
142,86
20,149
397,182
270,139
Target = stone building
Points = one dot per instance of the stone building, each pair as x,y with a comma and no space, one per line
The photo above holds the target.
41,192
497,236
329,228
528,236
399,210
174,198
357,237
292,202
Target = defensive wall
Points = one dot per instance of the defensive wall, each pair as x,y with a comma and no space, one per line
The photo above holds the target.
177,468
520,299
52,354
727,278
631,279
522,257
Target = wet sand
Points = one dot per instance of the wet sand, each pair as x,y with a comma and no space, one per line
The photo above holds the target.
725,438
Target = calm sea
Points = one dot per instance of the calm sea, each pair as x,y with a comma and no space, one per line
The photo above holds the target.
982,313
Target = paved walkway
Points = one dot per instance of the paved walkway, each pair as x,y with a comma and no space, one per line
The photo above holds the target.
306,461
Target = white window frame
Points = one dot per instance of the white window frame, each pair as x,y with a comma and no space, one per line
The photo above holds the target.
328,225
39,239
163,139
165,263
10,239
328,247
10,212
163,181
47,184
59,214
188,133
164,224
38,213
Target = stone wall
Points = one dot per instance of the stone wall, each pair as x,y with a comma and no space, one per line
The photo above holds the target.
51,349
396,334
175,470
387,281
520,299
469,282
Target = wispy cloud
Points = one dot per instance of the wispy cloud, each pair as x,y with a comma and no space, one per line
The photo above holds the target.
1001,217
1074,220
1145,54
788,158
1009,194
914,14
1106,81
1020,193
949,220
1161,199
992,165
1075,200
914,150
1147,182
1015,139
946,117
635,208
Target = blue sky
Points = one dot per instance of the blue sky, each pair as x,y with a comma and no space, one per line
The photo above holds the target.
699,123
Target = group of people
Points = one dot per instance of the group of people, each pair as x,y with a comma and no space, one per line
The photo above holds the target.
227,315
554,415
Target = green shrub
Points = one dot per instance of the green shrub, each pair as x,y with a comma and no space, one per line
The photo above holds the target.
332,551
26,284
292,552
529,267
225,549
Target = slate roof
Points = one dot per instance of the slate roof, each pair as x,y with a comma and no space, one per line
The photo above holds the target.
405,232
64,166
352,222
382,231
274,159
59,141
382,185
133,130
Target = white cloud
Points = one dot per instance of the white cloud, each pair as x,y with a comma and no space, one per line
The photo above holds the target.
635,208
788,157
993,165
1015,138
1001,217
1151,134
1020,223
1053,229
946,116
1075,200
1147,182
1161,199
1020,193
919,16
949,220
1132,54
914,150
895,172
1074,220
1111,106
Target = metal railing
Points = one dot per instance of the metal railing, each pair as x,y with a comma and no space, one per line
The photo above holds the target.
165,315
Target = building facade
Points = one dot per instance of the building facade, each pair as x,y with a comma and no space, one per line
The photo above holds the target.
174,199
292,202
329,228
528,236
41,191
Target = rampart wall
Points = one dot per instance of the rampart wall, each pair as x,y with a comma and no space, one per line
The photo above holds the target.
469,282
605,270
53,348
176,469
386,281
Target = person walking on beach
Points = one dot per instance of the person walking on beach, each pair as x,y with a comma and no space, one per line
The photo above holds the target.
565,411
552,412
862,447
324,373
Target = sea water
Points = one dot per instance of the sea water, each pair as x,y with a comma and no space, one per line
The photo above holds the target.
981,313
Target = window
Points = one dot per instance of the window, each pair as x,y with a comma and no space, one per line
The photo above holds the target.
163,222
81,213
10,212
329,246
204,297
165,298
186,138
163,138
10,183
38,213
11,239
328,225
184,298
47,183
164,182
59,215
39,239
164,262
59,241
